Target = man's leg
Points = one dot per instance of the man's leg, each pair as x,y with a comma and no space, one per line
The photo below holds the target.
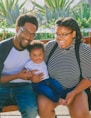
26,101
4,96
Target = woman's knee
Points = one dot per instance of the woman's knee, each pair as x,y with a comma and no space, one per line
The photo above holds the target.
79,107
45,104
46,107
80,114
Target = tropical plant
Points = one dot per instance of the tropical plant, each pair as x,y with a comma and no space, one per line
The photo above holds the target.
3,23
53,9
82,13
6,34
10,10
44,36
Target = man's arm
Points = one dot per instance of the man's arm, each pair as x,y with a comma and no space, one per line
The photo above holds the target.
24,74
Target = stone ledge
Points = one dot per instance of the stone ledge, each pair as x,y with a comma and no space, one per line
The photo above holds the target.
61,112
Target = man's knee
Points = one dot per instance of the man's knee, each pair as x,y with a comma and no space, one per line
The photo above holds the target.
29,112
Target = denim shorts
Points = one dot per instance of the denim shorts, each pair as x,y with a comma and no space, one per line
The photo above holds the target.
51,88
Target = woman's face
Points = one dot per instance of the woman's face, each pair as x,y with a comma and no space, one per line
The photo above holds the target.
64,36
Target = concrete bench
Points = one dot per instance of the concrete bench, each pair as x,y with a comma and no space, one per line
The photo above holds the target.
61,112
9,108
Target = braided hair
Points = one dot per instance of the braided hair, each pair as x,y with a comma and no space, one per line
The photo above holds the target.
72,24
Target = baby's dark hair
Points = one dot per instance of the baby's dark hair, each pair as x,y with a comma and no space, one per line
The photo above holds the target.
72,24
36,45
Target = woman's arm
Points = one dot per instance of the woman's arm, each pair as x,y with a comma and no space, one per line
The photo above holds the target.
84,84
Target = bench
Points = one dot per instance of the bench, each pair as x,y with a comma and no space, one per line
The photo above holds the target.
87,40
9,108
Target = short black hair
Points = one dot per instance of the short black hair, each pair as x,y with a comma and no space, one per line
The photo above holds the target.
22,19
35,44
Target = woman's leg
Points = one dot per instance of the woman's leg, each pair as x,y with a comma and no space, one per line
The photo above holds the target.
79,107
46,107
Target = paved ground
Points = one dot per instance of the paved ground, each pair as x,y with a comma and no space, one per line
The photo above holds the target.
60,110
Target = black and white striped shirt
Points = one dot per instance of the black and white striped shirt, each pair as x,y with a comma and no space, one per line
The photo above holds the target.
63,64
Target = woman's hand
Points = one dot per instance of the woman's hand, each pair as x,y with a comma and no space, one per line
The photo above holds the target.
68,100
70,97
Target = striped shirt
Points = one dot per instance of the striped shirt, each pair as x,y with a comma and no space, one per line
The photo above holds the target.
63,64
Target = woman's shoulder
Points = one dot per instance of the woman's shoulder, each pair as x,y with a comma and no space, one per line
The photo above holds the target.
50,43
84,46
85,49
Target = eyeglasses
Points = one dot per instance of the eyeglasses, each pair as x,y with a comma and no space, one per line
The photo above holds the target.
25,31
63,35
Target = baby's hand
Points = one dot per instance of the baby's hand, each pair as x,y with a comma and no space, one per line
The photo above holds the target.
62,101
36,77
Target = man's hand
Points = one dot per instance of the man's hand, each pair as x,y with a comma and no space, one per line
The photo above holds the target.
25,74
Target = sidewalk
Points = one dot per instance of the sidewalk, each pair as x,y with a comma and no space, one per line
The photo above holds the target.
61,111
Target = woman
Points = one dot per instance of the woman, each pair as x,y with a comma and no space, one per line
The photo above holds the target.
63,66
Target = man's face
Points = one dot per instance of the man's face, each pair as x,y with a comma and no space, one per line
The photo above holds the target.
25,35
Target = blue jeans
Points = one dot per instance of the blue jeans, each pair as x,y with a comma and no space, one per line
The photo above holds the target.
22,95
51,88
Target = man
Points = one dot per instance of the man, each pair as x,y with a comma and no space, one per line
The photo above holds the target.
15,82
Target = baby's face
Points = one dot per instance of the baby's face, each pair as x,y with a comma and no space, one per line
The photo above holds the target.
37,55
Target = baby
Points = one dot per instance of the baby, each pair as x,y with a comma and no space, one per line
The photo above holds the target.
48,87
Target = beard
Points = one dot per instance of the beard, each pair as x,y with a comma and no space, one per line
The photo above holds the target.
23,47
23,44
